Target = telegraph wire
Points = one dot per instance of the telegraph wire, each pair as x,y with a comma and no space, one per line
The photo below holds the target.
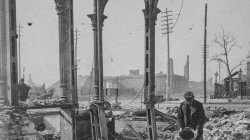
178,15
136,96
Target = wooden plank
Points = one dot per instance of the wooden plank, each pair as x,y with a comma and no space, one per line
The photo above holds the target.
66,132
103,122
134,132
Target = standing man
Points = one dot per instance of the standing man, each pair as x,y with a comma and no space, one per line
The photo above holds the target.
191,114
23,90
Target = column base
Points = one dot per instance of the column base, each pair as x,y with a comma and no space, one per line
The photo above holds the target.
2,93
2,102
62,95
96,94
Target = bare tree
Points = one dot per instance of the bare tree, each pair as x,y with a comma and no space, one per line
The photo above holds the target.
227,41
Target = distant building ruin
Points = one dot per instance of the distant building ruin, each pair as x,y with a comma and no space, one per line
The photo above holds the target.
36,90
132,84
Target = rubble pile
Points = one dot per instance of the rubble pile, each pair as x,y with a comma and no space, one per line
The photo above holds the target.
4,119
172,111
142,131
17,124
216,108
218,111
166,124
46,102
229,127
223,124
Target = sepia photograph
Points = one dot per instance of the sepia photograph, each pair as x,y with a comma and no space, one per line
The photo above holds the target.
124,70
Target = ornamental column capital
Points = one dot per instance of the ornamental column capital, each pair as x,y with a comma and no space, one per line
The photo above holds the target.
152,15
59,6
93,18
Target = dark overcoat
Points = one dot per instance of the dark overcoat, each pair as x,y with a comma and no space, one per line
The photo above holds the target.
197,115
23,90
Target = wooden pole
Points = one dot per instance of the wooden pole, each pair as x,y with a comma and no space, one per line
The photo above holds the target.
205,56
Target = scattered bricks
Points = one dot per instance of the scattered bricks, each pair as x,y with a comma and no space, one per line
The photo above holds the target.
227,131
209,127
29,129
2,124
238,135
166,124
228,127
240,128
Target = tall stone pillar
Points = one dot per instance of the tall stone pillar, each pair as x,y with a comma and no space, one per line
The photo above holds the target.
150,14
3,43
97,111
98,62
66,49
95,69
8,53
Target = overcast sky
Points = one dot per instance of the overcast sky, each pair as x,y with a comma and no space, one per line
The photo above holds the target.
123,36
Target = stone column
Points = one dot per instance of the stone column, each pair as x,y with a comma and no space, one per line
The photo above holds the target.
97,111
8,53
64,10
95,69
150,14
98,62
3,40
66,48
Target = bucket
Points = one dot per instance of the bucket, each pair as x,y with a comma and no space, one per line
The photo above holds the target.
187,134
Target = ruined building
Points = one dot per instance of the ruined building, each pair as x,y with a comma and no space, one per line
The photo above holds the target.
132,84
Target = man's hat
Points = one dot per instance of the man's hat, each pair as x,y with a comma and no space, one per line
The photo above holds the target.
188,94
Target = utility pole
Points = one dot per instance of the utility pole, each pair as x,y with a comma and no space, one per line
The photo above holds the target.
24,73
75,107
219,71
116,91
19,52
205,56
168,30
76,62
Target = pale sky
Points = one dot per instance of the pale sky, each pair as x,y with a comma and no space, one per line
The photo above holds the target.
123,36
